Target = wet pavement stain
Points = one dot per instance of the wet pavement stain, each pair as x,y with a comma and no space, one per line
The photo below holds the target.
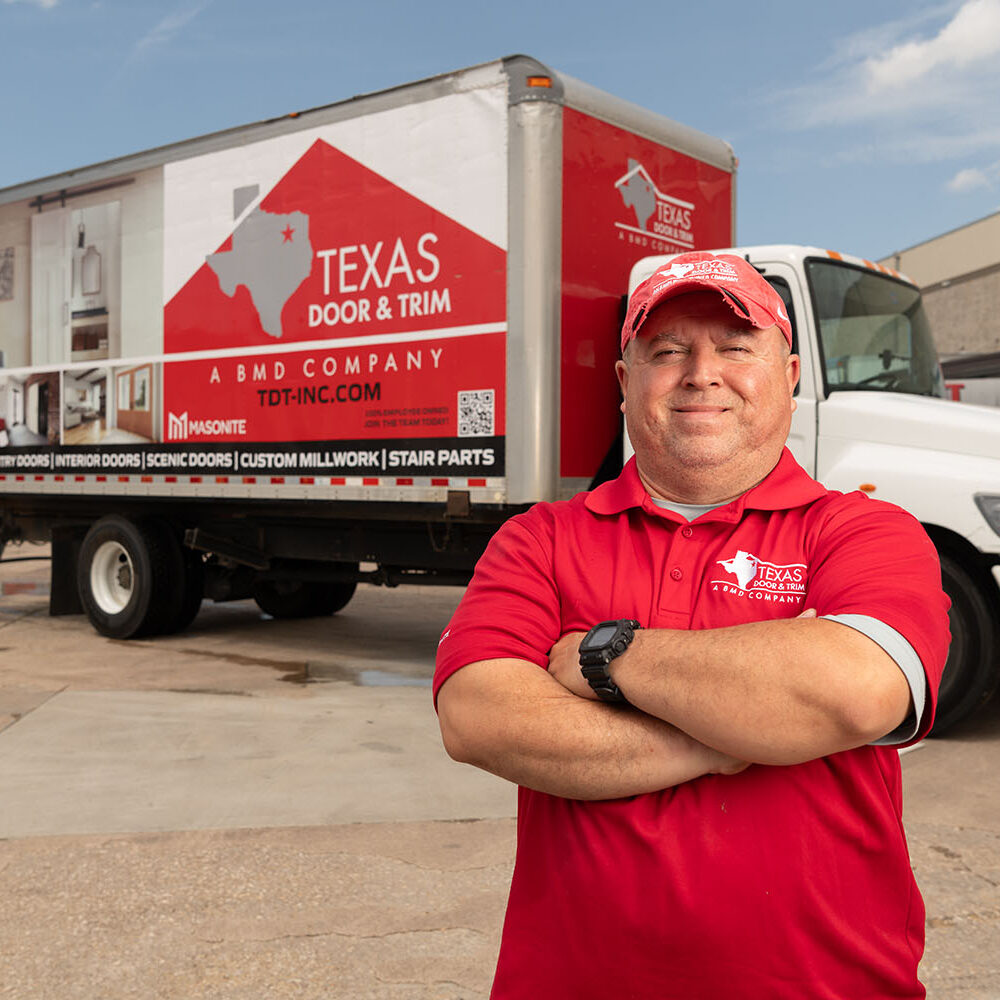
304,672
11,587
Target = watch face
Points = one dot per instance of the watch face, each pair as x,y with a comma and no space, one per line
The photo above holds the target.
602,635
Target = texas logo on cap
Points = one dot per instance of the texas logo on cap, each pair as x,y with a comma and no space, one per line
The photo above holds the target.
748,293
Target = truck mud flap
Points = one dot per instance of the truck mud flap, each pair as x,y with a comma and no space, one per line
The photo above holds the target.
64,596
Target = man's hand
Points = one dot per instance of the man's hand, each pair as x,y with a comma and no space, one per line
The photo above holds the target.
564,665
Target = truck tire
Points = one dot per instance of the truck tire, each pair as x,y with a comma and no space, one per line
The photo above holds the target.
301,599
127,578
970,675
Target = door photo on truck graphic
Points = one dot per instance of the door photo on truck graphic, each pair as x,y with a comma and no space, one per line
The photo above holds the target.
29,410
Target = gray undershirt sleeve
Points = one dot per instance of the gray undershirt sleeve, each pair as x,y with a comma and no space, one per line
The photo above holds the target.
906,659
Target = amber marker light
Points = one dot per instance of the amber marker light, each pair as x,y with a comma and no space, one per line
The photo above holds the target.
539,81
867,487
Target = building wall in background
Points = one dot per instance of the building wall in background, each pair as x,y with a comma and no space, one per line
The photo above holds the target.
959,274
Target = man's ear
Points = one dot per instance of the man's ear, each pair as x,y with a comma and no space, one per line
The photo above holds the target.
621,370
792,372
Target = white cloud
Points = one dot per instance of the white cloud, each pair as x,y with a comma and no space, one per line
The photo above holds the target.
165,30
967,180
921,89
44,4
876,39
974,178
916,145
971,36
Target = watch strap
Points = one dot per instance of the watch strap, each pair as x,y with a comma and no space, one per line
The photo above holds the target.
594,662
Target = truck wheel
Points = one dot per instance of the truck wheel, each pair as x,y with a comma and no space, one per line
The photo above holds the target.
301,599
970,675
126,578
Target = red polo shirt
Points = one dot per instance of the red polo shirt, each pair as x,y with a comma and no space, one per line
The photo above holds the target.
778,882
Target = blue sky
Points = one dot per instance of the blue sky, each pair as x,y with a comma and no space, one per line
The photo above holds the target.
863,127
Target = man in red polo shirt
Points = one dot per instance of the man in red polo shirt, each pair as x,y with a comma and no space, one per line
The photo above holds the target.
709,802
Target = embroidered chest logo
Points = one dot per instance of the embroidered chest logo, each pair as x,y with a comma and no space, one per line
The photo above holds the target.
758,580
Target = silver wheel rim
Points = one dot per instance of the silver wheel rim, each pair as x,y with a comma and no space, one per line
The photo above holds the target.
112,578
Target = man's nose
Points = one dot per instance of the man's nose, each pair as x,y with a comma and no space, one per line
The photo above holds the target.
702,369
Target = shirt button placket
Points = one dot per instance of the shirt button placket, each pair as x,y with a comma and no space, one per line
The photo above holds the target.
678,596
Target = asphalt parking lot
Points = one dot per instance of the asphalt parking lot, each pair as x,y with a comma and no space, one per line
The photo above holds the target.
263,809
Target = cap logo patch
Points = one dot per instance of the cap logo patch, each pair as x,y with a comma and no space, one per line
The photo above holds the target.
678,271
713,270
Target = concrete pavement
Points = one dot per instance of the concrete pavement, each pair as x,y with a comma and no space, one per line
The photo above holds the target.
388,911
252,809
145,761
263,809
951,810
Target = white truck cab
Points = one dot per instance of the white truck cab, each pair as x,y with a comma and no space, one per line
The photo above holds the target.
872,415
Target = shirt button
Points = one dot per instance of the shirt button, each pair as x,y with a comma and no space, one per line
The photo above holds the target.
687,532
676,574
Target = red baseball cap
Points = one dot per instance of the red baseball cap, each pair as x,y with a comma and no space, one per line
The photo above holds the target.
747,291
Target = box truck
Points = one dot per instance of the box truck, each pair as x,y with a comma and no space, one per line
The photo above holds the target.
346,344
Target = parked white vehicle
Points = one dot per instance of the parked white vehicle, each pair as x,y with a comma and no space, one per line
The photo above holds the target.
873,415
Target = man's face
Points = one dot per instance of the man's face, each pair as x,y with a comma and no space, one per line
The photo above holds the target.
706,393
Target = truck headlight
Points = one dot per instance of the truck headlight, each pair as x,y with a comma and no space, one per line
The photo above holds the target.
989,507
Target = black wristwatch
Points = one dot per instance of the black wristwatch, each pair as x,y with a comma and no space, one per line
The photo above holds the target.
599,647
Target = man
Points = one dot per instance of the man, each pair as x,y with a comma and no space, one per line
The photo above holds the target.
712,809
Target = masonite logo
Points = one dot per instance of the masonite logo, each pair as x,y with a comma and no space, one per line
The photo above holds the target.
657,214
759,580
180,426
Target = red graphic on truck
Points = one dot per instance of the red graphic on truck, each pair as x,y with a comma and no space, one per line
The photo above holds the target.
624,197
399,310
335,250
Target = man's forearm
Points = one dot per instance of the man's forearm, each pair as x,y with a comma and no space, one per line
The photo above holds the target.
770,692
511,718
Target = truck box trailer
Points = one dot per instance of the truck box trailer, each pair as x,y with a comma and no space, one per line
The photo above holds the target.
340,345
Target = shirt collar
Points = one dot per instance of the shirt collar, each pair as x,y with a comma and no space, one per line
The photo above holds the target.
786,486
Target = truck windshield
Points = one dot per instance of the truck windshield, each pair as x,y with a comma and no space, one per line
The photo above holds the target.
873,332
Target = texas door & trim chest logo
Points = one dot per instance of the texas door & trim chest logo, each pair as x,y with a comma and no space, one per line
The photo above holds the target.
755,579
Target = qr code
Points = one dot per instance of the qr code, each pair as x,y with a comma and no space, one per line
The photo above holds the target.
475,413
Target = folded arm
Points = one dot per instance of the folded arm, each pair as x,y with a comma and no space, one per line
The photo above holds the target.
777,692
513,719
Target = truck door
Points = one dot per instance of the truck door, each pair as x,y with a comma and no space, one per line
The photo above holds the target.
802,435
